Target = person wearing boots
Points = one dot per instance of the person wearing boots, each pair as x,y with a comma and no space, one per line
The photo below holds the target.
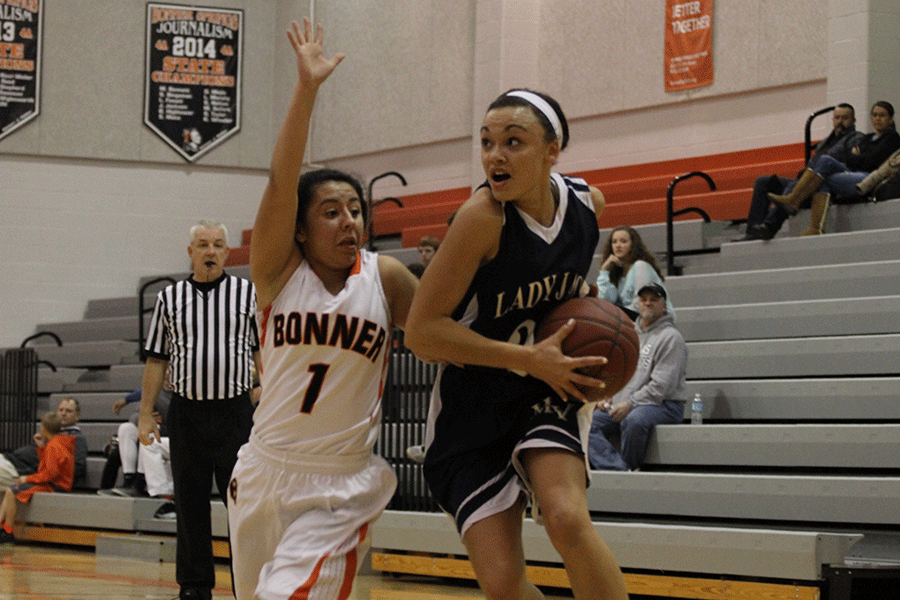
826,176
883,176
765,220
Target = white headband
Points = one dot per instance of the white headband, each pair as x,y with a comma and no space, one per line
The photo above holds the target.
543,106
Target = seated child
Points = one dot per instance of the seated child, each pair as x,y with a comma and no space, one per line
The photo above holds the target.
56,472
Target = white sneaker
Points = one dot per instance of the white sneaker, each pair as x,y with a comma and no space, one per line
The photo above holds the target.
416,454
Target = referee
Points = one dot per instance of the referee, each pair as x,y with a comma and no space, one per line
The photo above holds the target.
204,327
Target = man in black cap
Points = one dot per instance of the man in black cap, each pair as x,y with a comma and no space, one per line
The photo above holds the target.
655,394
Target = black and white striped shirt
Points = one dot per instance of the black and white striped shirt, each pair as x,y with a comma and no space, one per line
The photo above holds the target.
207,332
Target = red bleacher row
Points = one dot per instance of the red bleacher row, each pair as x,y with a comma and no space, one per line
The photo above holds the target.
635,194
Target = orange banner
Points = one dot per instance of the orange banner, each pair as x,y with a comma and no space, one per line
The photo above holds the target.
688,52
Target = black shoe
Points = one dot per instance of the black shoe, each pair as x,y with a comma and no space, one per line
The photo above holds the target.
165,511
762,231
6,537
195,594
757,232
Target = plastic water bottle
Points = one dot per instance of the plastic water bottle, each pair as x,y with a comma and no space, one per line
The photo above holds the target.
697,410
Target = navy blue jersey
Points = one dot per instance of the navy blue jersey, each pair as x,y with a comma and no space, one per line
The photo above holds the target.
536,269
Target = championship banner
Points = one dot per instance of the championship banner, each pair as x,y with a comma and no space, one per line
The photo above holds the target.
193,76
688,51
20,63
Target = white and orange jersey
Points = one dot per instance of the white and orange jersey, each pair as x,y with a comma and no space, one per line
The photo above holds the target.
324,361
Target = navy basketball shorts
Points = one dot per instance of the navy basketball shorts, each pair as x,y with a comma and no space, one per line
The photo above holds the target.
476,484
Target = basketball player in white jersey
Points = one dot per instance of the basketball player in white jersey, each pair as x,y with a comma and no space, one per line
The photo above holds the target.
307,484
511,423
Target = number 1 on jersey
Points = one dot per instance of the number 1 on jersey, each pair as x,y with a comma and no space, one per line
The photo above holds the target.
315,386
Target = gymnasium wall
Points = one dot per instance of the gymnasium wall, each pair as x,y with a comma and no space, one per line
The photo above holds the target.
91,199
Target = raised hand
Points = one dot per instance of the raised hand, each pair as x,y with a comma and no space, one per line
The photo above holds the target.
274,253
118,405
312,66
611,260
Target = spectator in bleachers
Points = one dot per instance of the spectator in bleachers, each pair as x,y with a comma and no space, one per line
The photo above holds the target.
428,245
886,174
826,175
122,452
765,220
655,394
416,269
147,470
126,453
628,265
55,473
25,460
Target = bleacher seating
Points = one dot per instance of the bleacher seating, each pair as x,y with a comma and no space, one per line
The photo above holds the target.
793,345
89,354
97,364
635,194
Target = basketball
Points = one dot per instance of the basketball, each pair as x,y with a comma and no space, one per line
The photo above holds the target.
601,329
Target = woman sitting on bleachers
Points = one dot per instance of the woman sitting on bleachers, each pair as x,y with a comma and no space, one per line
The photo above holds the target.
628,265
883,182
827,176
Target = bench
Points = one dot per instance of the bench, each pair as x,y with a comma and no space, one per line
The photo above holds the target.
859,447
764,160
96,330
660,552
120,379
834,317
635,194
80,519
799,399
830,281
653,184
89,354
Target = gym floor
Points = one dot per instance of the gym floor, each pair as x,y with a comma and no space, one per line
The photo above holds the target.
40,572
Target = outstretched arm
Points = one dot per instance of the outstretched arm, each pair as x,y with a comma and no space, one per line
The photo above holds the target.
273,252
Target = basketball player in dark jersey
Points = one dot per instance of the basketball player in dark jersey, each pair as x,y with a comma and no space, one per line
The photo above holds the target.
508,422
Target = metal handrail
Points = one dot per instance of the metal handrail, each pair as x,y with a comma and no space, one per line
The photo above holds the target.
670,214
370,229
41,334
808,131
142,311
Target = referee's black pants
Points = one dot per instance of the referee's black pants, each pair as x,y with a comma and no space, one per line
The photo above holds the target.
204,438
